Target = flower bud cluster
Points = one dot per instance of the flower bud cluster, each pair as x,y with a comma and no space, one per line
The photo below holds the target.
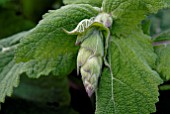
91,33
89,59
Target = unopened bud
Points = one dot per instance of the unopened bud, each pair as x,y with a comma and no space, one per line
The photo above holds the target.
89,59
82,57
81,37
94,43
90,72
105,19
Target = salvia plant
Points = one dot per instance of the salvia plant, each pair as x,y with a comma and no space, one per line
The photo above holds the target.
119,63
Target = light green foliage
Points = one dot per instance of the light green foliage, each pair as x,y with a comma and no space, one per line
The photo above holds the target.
9,71
59,67
128,14
97,3
12,40
48,46
132,86
162,49
9,74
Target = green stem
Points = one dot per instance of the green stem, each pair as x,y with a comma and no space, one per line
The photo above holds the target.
159,43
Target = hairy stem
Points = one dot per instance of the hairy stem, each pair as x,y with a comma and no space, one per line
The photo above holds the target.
166,42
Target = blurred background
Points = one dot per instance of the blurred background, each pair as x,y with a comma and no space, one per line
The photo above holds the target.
48,95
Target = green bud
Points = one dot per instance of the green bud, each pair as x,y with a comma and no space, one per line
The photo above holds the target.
94,43
82,57
90,34
93,65
89,60
81,37
105,19
90,72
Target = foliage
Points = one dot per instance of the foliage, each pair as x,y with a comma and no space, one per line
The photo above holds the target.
11,23
134,64
162,48
97,3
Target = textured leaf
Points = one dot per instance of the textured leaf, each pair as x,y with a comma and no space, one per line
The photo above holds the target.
91,2
48,46
131,87
12,40
9,74
128,14
162,49
35,68
9,71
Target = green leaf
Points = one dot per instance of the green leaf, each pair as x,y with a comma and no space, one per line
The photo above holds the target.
162,48
51,89
97,3
9,71
3,2
61,66
164,87
12,40
164,36
44,90
132,86
48,46
146,24
14,24
128,14
9,74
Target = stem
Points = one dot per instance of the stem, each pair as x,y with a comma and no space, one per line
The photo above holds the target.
161,43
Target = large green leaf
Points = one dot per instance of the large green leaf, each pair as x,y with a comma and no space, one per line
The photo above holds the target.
128,14
91,2
49,88
54,90
162,49
132,86
48,46
12,40
9,71
9,74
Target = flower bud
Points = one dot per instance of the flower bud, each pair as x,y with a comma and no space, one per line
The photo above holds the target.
105,19
81,37
89,60
82,57
90,72
90,35
94,43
